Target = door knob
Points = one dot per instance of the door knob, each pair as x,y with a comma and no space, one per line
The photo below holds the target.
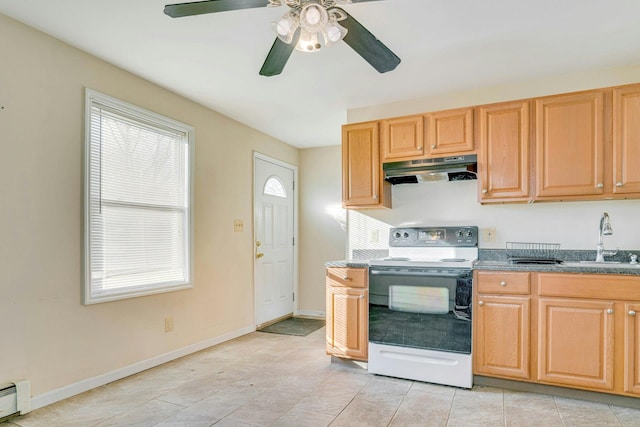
258,254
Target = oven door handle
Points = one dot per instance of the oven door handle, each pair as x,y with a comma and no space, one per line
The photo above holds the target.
415,273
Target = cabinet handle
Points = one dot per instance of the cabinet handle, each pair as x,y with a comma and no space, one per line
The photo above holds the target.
599,185
419,148
610,311
480,302
361,296
434,146
375,197
346,278
503,283
632,313
485,191
619,184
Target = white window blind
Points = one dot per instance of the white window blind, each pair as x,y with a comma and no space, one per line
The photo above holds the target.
137,201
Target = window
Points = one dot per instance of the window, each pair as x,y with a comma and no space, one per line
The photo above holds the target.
274,187
138,202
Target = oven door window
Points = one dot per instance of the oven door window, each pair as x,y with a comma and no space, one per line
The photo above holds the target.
419,311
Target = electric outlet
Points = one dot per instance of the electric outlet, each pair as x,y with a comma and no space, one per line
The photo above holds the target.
238,225
489,234
373,236
168,324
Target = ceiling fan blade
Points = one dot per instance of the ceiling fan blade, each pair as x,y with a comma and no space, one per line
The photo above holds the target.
368,46
278,56
210,6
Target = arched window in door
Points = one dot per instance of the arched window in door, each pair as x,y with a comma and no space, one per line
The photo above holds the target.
274,187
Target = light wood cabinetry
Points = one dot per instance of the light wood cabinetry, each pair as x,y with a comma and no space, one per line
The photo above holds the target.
450,132
502,325
347,306
632,348
575,342
363,185
570,145
402,138
626,140
503,161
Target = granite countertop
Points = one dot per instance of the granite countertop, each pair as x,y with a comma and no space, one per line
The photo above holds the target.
350,263
496,260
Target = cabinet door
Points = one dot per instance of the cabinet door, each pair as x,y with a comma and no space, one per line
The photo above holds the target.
402,138
501,344
632,348
570,145
362,184
575,342
347,322
626,140
450,132
504,152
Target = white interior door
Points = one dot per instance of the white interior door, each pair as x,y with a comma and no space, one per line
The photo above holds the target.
274,234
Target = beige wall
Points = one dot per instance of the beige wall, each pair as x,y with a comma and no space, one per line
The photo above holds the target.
48,336
322,235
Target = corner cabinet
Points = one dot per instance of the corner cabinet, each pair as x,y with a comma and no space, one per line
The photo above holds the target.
363,184
626,140
570,145
347,317
503,166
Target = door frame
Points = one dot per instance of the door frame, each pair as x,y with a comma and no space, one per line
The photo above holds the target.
257,155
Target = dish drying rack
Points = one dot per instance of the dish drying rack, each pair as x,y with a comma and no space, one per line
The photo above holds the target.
532,253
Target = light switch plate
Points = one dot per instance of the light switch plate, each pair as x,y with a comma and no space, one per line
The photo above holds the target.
489,234
238,225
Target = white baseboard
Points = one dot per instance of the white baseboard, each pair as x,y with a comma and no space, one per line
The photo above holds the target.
62,393
310,313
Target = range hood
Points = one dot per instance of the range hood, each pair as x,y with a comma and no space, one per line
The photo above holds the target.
452,168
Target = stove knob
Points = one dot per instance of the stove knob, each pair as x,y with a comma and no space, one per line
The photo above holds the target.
469,234
459,234
405,235
397,234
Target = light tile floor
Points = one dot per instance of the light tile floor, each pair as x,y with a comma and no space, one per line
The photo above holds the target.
275,380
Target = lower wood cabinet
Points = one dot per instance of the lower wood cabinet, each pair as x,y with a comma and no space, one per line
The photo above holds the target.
347,317
576,342
501,321
502,336
572,330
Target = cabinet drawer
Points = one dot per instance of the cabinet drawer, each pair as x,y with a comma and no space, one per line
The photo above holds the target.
351,277
596,286
502,283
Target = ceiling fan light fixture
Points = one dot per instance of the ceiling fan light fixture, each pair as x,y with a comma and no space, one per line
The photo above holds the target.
286,27
313,17
308,42
333,33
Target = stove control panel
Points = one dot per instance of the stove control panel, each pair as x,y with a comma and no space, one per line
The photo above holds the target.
463,236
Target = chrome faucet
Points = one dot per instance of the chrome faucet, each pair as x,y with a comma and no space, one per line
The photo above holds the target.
605,230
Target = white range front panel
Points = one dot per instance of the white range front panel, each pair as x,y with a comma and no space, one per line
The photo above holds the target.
421,365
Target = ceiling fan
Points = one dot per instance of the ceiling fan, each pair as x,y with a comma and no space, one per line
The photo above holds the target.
300,28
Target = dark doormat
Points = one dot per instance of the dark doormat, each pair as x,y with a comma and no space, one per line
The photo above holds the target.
299,326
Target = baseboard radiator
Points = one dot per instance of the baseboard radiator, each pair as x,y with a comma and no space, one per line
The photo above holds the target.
15,399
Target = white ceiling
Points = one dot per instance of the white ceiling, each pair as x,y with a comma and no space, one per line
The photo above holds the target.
445,46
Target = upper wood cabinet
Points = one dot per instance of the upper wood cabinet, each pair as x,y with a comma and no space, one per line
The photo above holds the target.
626,140
570,145
503,160
450,132
363,185
402,138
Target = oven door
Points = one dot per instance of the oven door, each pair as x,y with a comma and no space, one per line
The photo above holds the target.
420,308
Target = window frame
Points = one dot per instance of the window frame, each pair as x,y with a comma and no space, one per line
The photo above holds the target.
146,117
